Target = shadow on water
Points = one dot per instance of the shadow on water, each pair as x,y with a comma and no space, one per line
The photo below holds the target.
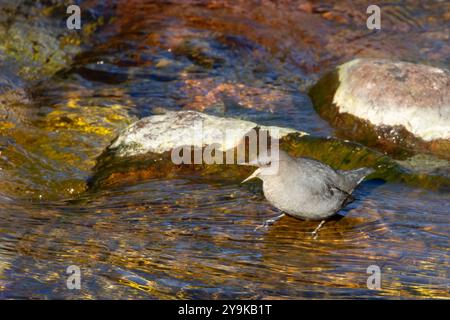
364,190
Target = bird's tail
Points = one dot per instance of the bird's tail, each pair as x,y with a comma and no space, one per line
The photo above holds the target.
354,177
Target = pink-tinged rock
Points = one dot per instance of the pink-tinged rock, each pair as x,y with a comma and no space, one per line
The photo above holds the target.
396,106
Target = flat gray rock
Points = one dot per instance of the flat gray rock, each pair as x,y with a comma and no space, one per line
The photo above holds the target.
161,133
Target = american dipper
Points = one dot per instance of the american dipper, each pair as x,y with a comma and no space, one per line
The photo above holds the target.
306,188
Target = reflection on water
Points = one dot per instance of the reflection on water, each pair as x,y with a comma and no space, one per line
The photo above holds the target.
195,238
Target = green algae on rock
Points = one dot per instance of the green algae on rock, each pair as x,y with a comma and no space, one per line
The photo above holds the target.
398,107
47,149
37,38
50,154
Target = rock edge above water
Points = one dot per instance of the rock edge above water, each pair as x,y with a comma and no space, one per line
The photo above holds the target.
161,133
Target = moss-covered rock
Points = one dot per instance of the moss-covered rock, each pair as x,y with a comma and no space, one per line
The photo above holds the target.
347,155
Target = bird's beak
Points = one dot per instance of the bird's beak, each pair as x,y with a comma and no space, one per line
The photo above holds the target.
253,175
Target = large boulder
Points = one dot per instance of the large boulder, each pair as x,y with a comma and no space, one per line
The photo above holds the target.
161,133
399,107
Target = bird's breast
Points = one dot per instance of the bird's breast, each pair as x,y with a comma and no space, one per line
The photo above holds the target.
299,201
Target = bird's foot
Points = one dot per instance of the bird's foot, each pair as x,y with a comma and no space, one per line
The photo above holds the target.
315,233
269,222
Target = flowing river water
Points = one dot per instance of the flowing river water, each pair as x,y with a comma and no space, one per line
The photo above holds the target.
194,237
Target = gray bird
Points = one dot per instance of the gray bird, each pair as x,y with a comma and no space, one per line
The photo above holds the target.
306,188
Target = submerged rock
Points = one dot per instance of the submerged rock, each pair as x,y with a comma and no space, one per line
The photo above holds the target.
427,164
209,93
399,107
13,98
47,149
36,37
144,151
199,52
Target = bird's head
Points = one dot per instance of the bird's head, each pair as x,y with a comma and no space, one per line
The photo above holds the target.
268,165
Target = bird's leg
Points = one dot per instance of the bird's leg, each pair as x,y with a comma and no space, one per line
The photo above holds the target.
270,222
316,230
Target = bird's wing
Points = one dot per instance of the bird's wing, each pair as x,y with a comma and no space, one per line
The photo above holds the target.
316,166
351,178
324,183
